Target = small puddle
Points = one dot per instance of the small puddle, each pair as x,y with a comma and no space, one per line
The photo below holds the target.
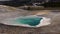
32,21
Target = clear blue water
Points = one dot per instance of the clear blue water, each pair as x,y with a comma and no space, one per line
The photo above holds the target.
32,21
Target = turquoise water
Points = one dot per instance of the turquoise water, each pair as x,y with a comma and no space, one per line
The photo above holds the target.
32,21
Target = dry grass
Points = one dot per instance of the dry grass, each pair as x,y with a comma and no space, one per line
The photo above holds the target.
38,8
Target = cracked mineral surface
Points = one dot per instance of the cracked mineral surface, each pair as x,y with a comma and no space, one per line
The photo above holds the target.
7,12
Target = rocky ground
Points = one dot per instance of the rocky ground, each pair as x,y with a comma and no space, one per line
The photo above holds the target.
7,12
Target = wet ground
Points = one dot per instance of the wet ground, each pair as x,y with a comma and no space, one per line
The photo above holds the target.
53,28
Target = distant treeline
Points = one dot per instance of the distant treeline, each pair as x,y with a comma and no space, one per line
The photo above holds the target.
17,3
51,4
